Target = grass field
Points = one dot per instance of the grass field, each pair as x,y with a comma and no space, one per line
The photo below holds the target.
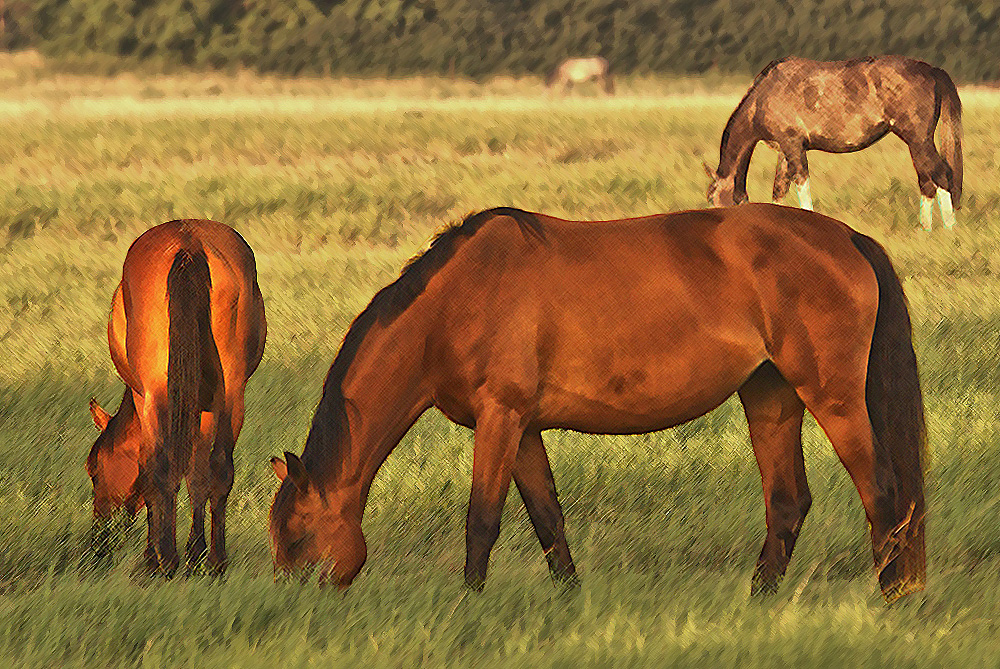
335,184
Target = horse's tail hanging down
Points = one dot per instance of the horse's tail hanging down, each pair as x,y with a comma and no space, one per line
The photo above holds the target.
896,409
188,291
951,131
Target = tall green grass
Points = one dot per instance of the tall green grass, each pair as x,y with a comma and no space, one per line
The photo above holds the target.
334,194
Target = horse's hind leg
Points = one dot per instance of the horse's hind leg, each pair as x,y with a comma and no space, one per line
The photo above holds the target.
947,210
222,474
163,478
150,562
533,477
926,212
196,545
198,483
162,511
774,415
839,406
933,178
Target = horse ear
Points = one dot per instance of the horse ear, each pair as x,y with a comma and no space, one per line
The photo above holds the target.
280,468
296,471
100,416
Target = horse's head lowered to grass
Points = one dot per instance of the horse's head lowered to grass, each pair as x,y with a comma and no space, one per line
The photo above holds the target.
113,467
307,529
722,191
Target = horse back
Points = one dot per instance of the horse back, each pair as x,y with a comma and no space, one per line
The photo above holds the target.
618,323
234,337
842,106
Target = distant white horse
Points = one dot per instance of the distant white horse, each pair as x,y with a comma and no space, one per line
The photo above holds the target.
578,70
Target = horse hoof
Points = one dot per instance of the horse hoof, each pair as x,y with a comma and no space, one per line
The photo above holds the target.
566,581
763,586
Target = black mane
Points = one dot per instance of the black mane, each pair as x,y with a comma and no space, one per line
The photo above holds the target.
326,439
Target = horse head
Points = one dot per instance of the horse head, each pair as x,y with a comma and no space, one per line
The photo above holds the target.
113,465
309,528
722,190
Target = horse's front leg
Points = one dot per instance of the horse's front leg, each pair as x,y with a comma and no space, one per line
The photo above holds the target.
498,435
798,170
533,477
781,179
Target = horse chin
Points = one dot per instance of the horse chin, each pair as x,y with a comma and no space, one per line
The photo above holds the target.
329,576
351,553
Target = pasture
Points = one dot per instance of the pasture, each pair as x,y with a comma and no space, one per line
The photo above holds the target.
335,184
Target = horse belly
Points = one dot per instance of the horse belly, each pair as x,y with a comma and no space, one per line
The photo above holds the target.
643,395
836,126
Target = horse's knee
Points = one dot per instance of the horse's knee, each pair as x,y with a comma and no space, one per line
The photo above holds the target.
805,503
781,185
482,527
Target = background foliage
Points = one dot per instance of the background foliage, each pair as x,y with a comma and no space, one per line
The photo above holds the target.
482,37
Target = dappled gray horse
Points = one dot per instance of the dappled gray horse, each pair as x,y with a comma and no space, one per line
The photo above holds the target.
796,105
579,70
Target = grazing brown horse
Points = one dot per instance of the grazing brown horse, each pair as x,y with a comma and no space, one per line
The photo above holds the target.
186,331
798,105
513,323
580,70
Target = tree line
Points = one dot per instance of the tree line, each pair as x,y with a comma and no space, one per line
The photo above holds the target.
477,38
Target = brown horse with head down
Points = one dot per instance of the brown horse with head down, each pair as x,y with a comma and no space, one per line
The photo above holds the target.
186,331
513,323
798,105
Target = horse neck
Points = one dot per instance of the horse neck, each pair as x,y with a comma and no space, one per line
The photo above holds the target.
381,395
738,141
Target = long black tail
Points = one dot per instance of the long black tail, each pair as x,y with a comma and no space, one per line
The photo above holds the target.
896,409
189,294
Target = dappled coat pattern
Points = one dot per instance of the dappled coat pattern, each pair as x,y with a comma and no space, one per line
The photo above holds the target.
798,105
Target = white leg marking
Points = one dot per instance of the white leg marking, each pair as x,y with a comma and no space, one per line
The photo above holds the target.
805,197
944,202
926,212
